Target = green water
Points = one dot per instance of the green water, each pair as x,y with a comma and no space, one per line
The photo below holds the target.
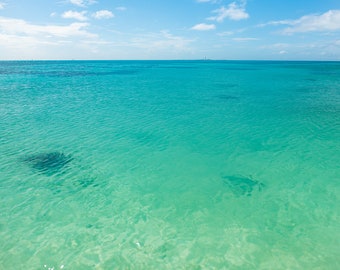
169,165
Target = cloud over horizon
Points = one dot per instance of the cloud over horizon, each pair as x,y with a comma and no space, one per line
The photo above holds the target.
20,27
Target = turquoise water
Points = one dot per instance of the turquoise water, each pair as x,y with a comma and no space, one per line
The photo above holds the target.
169,165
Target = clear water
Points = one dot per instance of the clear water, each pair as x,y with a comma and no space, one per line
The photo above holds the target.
169,165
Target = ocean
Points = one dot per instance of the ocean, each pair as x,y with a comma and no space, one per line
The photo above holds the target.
169,165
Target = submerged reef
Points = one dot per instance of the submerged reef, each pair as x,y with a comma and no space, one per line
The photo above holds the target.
242,186
86,182
48,163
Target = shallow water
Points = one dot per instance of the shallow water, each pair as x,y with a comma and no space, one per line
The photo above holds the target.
170,165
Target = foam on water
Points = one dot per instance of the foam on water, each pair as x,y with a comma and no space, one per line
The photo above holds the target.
169,165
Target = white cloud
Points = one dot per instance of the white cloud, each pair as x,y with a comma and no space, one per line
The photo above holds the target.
2,5
328,21
203,27
77,2
234,12
103,14
245,39
82,3
80,16
19,27
23,40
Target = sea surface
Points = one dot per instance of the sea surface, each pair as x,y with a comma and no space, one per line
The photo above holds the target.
169,165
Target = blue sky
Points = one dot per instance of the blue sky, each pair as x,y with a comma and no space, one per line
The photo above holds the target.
170,29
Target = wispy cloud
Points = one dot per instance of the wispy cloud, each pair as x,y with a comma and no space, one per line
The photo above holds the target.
103,14
205,1
245,39
322,49
36,41
326,22
203,27
121,8
82,3
2,5
80,16
234,11
11,26
225,33
159,41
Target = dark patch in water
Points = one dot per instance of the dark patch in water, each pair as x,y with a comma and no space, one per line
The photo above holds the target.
48,163
71,73
310,80
164,250
226,85
86,182
90,73
239,68
326,71
179,67
303,90
242,186
227,97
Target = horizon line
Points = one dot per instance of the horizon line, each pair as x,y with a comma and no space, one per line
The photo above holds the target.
199,59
